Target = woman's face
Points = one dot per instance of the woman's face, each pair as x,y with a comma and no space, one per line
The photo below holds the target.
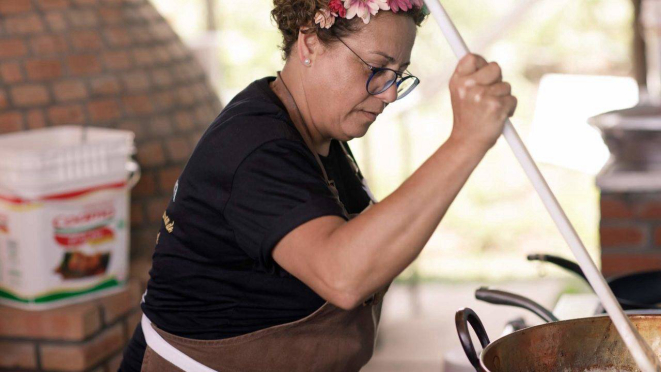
336,95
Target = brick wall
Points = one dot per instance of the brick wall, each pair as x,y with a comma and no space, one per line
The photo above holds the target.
88,336
630,232
109,63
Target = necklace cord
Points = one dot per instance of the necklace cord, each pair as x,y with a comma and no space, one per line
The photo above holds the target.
308,142
306,138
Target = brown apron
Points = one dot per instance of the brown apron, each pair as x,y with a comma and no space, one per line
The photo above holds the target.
330,339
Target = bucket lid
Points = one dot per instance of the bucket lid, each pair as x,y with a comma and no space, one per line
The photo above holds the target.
40,148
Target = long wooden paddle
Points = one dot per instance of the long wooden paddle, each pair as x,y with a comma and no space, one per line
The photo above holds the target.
644,356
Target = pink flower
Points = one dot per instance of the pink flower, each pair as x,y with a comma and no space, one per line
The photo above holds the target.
397,5
324,18
417,3
364,8
337,8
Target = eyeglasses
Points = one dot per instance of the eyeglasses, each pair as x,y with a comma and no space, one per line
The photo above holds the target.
382,78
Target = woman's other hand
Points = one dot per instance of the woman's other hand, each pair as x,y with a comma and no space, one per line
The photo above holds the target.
481,102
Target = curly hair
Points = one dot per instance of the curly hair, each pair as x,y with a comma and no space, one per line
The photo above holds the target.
291,15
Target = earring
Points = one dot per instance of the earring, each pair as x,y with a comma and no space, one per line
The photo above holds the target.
307,62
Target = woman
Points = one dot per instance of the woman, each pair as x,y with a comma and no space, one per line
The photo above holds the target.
273,256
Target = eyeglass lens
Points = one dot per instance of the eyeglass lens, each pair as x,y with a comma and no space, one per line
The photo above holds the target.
383,79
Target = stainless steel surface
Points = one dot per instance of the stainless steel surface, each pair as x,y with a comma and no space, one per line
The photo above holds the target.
618,177
633,135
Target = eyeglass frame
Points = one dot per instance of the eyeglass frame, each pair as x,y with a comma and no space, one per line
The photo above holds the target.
375,70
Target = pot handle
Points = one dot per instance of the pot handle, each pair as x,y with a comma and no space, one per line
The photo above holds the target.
505,298
565,264
461,320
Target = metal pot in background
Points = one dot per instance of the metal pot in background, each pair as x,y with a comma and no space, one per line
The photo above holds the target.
633,291
633,135
497,297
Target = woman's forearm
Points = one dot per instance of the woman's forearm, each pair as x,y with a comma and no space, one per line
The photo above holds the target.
372,249
345,262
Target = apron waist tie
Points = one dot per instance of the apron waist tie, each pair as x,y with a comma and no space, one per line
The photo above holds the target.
169,352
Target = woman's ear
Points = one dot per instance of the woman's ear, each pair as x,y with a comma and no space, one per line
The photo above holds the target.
308,47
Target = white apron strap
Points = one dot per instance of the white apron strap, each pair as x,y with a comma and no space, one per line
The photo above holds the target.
167,351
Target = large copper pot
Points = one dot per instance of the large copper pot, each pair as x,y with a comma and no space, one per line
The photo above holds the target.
585,344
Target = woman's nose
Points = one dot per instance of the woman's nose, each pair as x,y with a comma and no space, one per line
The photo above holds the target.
389,95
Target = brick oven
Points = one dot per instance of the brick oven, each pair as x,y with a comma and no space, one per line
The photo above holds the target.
630,184
107,63
630,231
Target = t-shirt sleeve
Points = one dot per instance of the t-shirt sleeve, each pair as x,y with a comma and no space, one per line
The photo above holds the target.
275,189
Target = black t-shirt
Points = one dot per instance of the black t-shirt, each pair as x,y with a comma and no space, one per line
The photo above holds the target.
250,180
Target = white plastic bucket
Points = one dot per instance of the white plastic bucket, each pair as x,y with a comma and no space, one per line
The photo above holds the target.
64,214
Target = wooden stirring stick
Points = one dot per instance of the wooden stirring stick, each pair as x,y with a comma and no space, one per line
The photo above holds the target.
644,356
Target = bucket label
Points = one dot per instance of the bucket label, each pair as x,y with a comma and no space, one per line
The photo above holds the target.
58,249
4,224
91,227
86,235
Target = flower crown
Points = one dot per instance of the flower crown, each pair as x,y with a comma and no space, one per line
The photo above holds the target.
325,17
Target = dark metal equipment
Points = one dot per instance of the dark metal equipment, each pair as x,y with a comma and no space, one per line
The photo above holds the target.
633,291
